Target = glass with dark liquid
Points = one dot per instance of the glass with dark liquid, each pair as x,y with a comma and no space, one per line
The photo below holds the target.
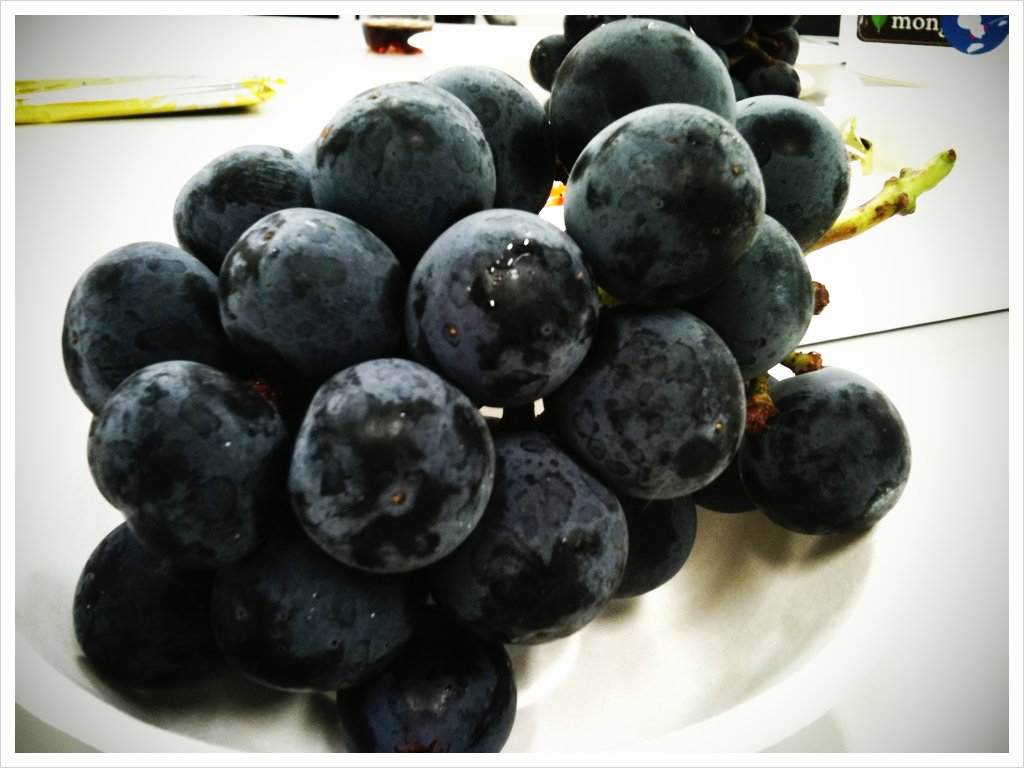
390,34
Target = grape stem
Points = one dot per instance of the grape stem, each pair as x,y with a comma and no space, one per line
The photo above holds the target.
898,196
821,297
751,47
760,407
802,362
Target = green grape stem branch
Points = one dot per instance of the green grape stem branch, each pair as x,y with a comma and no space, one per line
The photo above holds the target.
898,196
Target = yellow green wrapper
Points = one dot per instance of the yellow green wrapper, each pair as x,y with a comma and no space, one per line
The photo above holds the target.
52,101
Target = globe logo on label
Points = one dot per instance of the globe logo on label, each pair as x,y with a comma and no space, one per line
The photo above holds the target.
975,34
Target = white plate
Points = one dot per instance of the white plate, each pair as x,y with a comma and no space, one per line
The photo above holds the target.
759,634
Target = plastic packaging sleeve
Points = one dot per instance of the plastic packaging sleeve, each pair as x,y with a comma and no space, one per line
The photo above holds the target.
50,101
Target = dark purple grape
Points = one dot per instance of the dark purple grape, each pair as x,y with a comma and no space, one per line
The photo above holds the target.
661,537
194,458
663,202
776,78
764,63
516,128
293,618
629,64
231,192
719,30
658,407
741,89
575,28
547,56
679,21
504,305
721,53
305,293
742,60
142,622
392,466
448,690
406,160
726,492
835,459
803,161
763,307
547,555
139,304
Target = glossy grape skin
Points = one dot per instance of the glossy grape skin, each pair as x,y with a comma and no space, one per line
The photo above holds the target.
763,307
803,162
305,293
141,622
658,408
664,202
193,458
139,304
661,538
547,554
516,128
392,466
231,192
293,618
449,690
547,56
406,160
629,64
503,304
835,459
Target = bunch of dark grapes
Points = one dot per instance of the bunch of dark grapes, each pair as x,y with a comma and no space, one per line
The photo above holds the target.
373,418
761,57
759,51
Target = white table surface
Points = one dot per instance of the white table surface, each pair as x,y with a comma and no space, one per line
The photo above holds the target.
920,305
